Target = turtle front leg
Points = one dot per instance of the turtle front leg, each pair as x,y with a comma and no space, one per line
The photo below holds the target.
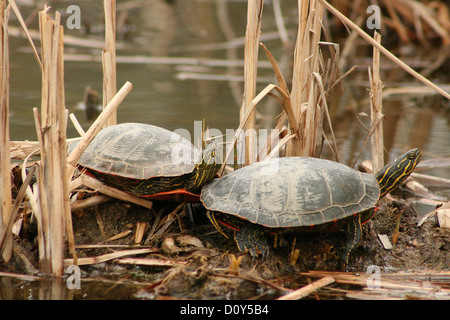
253,239
354,234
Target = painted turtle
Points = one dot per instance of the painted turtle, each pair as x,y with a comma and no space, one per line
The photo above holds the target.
150,162
299,194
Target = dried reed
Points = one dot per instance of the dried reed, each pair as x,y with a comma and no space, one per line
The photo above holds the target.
56,169
108,256
305,95
109,58
5,183
376,110
308,289
412,285
51,202
113,192
254,15
51,132
305,105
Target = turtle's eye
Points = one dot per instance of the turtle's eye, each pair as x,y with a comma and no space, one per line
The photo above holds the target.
213,153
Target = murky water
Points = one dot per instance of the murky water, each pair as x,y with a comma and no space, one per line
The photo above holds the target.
159,96
157,29
166,94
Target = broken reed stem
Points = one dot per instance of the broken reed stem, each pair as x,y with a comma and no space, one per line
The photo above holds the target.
109,256
376,110
51,131
63,115
5,161
109,58
308,289
254,15
89,202
113,192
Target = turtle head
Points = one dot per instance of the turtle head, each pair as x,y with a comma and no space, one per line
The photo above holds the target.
208,168
394,173
205,170
212,155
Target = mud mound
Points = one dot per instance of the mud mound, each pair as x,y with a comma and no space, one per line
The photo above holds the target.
189,259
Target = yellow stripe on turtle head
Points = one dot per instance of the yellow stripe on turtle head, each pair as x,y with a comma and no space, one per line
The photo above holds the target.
394,173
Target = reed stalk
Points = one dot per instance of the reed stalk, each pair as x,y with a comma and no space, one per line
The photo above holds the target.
307,290
113,192
305,107
254,15
305,92
109,58
376,110
51,130
5,169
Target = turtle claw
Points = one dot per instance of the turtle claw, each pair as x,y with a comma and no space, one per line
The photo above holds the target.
253,240
354,236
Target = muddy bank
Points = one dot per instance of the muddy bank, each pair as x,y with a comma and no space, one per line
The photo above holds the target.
189,259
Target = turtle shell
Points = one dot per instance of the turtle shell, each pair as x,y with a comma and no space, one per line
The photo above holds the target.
292,192
140,151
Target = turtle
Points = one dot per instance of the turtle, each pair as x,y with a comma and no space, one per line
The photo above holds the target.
299,194
150,162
